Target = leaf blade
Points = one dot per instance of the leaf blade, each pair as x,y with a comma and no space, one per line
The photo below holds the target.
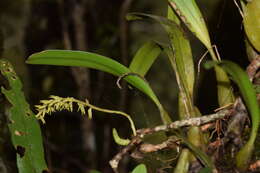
141,168
144,58
98,62
24,128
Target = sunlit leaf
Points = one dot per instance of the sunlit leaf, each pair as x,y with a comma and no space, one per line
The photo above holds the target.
24,128
141,168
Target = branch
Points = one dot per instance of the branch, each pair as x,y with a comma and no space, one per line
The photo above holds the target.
137,140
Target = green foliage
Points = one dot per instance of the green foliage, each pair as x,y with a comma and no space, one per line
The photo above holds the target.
144,58
24,128
190,14
249,95
99,62
252,22
141,168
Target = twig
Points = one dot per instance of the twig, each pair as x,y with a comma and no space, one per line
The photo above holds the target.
183,123
239,9
169,143
136,140
116,159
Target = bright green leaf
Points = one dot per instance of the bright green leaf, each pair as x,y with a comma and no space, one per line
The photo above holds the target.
24,128
144,58
98,62
141,168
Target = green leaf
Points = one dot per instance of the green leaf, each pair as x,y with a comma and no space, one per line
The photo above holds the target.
206,160
183,162
94,171
98,62
225,93
190,14
205,170
141,168
249,95
24,128
118,139
252,22
178,41
182,62
144,58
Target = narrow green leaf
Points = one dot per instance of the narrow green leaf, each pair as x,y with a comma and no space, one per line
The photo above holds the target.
206,160
180,44
183,162
24,128
190,14
182,62
144,58
98,62
252,22
141,168
249,95
118,140
225,91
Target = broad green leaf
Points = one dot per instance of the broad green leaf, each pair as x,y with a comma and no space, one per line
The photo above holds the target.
98,62
144,58
190,14
252,22
249,95
24,128
141,168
